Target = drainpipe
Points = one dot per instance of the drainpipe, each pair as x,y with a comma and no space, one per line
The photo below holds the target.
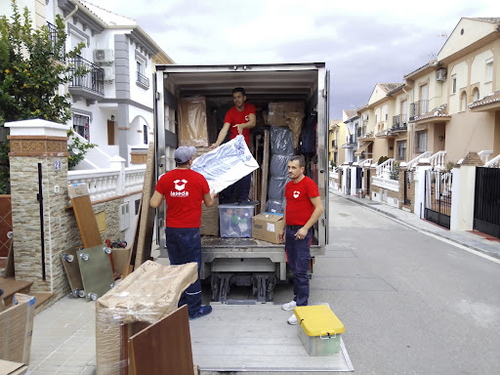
71,14
409,143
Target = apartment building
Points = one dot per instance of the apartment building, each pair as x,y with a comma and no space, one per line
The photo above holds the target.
336,134
351,120
112,106
453,106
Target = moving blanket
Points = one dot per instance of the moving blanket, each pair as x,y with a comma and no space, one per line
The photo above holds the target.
225,165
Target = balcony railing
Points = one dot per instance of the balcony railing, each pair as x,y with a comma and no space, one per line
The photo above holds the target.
399,123
418,108
142,79
92,81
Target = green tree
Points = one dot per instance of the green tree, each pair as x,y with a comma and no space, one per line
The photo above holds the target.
32,69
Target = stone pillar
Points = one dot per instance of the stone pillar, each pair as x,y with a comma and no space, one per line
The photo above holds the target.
463,193
39,145
423,165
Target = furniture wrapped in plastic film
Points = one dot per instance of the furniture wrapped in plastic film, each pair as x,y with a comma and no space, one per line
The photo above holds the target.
192,130
148,294
226,164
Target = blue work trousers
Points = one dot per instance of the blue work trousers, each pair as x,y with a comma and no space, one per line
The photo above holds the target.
299,256
184,246
242,188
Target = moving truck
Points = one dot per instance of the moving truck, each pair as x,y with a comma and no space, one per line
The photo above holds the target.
244,261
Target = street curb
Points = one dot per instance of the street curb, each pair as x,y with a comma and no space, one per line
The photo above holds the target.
492,254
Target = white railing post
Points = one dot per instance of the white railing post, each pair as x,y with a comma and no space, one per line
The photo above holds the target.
493,163
485,155
118,163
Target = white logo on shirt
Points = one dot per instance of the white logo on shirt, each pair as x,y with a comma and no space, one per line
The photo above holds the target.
180,186
296,194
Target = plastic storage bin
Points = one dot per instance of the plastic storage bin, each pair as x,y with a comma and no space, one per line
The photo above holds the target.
235,220
319,329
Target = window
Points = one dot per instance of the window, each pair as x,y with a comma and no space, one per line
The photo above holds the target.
401,146
475,94
489,70
142,80
145,131
454,84
463,101
424,98
404,111
81,125
421,142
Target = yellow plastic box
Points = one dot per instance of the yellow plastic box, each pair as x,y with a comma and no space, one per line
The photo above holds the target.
319,329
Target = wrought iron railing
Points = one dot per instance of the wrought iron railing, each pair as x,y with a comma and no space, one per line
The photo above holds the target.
142,79
399,122
93,80
418,108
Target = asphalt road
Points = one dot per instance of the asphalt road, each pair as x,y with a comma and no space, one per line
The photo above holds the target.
411,304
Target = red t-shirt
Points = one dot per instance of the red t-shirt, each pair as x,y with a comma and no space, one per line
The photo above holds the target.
299,207
183,190
233,116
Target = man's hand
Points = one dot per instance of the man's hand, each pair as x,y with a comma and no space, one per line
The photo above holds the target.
240,127
214,146
301,234
281,236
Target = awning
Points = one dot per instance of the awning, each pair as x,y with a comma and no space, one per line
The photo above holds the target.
362,148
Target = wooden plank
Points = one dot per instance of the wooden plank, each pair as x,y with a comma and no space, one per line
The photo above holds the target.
163,347
265,171
87,223
72,269
146,223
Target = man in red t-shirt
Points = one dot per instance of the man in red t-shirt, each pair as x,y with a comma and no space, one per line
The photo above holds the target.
239,120
303,210
184,191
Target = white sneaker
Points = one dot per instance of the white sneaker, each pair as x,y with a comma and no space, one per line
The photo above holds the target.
292,320
290,306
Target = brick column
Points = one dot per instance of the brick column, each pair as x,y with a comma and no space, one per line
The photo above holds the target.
38,145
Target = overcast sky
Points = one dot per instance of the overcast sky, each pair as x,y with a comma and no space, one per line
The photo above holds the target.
362,42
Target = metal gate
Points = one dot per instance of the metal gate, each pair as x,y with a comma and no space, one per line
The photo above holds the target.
348,181
437,203
487,201
407,187
368,180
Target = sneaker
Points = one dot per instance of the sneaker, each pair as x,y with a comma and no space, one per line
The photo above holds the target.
247,202
292,320
204,310
290,306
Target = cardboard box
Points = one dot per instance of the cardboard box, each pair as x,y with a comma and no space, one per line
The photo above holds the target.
16,329
192,115
78,189
279,112
266,226
120,258
12,368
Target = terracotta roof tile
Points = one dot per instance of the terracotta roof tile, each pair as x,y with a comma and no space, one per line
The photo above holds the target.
439,112
488,99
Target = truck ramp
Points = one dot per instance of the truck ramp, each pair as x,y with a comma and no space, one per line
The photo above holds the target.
240,336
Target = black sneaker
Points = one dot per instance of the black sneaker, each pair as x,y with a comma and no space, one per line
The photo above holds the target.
203,311
247,202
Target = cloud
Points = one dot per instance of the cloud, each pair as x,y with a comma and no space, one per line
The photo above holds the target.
362,42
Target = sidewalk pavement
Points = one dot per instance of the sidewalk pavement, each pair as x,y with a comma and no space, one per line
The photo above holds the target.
64,334
473,240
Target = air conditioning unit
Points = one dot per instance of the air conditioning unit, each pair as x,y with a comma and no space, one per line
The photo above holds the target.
109,73
441,75
103,56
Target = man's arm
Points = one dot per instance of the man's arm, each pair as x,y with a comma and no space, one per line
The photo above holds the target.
222,135
209,199
318,210
252,120
281,236
155,200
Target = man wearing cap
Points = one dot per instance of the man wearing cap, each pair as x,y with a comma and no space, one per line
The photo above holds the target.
239,120
184,191
303,210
